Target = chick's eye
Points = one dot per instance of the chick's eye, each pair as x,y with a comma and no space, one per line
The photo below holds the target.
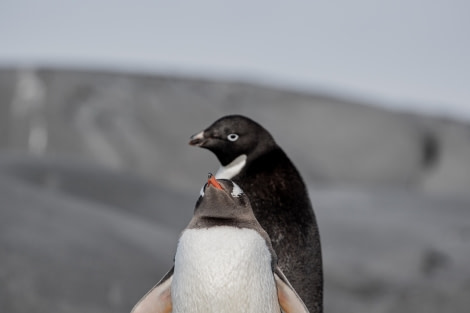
232,137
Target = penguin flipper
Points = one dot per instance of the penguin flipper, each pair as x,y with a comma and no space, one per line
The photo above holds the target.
158,299
289,300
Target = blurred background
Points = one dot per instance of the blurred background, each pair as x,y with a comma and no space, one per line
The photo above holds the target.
98,100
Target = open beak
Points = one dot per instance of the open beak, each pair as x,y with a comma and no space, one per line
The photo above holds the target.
197,139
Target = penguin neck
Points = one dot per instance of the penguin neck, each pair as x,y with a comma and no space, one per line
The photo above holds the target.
232,169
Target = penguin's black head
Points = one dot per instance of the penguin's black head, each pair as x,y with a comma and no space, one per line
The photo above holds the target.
232,136
223,199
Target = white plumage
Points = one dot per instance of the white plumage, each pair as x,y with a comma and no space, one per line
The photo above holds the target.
232,169
223,269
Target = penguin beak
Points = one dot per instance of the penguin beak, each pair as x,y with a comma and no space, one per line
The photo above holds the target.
212,181
197,139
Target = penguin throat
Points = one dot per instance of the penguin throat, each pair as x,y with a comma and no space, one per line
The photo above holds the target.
232,169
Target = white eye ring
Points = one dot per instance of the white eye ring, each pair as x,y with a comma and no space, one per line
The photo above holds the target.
232,137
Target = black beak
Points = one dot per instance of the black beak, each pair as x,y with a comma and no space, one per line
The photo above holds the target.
197,139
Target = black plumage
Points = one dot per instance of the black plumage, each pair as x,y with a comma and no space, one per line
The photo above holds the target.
278,196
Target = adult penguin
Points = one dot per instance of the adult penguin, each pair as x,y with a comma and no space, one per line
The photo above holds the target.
224,262
251,158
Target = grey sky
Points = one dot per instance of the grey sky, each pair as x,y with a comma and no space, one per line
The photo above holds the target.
411,54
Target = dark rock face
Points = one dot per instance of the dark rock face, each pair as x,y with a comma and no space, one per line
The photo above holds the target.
142,123
66,247
97,181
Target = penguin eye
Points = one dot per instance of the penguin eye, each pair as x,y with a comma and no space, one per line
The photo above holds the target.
232,137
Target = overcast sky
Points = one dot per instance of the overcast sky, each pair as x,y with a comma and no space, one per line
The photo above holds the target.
411,54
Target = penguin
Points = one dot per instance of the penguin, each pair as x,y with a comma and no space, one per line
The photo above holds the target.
224,262
250,157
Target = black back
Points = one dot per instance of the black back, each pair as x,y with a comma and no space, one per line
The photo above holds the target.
279,200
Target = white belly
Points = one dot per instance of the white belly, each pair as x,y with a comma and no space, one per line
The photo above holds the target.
223,270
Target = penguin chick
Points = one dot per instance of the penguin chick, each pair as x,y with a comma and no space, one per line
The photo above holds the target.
224,262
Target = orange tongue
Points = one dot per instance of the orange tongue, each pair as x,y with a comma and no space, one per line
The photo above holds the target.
212,181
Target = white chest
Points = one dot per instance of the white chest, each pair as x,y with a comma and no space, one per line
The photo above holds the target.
223,269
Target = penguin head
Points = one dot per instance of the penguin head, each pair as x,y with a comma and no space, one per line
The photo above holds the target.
224,200
232,136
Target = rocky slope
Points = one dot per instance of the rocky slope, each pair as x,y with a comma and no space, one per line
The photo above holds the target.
97,180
